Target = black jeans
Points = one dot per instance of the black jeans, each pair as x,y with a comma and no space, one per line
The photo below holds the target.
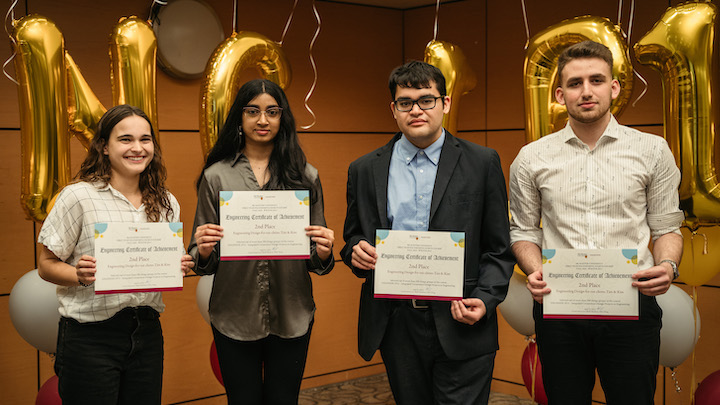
266,371
625,354
116,361
418,370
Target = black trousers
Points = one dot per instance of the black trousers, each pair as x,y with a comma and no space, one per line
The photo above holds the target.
266,371
625,354
116,361
418,369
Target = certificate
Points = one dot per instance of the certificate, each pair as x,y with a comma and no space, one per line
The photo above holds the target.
590,284
264,225
423,265
138,257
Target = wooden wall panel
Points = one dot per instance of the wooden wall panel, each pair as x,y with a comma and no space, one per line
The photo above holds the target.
17,232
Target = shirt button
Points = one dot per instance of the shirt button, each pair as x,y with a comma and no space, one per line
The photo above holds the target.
420,197
421,153
422,171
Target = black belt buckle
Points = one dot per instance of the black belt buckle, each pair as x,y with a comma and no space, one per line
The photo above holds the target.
420,304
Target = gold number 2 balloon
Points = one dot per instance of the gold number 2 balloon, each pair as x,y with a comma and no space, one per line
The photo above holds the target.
680,46
459,77
543,115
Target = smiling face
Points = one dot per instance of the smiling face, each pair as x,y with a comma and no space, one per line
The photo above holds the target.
587,90
130,147
421,127
261,130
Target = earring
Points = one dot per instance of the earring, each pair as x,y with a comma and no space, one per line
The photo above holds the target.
239,130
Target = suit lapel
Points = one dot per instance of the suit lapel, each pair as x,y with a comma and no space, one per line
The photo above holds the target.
448,160
381,170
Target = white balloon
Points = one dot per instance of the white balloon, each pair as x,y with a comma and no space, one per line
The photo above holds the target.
34,312
517,309
677,339
202,296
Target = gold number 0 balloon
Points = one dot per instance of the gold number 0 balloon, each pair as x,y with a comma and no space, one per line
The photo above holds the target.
241,51
543,115
459,76
55,100
680,46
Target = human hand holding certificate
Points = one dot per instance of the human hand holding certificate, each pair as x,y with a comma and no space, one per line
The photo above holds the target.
423,265
138,257
264,225
590,284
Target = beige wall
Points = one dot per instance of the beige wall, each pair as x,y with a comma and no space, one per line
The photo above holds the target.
357,48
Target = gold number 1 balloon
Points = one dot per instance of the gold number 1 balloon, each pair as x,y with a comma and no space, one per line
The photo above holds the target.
680,46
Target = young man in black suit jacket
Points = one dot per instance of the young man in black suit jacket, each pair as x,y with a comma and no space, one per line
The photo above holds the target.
434,351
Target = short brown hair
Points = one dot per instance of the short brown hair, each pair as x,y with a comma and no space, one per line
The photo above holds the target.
585,49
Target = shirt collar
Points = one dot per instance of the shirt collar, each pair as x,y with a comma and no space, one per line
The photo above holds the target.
611,131
408,151
237,157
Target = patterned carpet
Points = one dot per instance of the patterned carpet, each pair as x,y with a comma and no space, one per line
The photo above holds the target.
375,390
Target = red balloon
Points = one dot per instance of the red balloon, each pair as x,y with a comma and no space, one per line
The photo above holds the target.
215,364
530,361
48,394
708,391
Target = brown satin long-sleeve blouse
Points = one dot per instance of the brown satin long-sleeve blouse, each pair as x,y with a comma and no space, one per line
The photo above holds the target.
253,299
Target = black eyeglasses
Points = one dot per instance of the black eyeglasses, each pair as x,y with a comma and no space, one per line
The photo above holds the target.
425,103
271,113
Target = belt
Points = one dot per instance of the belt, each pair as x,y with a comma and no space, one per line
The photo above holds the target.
420,304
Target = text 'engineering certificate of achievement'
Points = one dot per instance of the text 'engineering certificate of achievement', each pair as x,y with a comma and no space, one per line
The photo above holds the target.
138,257
264,225
421,265
590,284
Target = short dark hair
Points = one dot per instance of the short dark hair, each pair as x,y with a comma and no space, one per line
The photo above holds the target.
585,49
418,75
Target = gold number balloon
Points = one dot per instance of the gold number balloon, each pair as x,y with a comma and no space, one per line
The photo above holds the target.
242,50
45,157
459,77
543,114
680,46
56,101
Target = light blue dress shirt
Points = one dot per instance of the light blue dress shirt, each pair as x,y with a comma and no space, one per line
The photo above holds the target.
411,182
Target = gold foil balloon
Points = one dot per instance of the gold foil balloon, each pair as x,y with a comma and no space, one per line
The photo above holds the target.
56,101
543,114
459,77
84,108
40,69
133,52
242,50
680,46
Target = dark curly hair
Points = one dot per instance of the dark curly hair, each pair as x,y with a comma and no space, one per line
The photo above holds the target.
96,167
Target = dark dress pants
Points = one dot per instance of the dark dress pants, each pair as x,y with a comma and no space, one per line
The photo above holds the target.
625,354
268,371
418,369
116,361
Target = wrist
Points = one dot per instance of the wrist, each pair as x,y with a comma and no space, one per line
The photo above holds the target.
672,266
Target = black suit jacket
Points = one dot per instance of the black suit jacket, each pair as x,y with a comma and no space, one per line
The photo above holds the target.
469,196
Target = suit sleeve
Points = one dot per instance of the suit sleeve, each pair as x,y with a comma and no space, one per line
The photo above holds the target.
352,232
496,260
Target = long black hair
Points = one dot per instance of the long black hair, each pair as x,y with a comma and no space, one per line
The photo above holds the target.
287,160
